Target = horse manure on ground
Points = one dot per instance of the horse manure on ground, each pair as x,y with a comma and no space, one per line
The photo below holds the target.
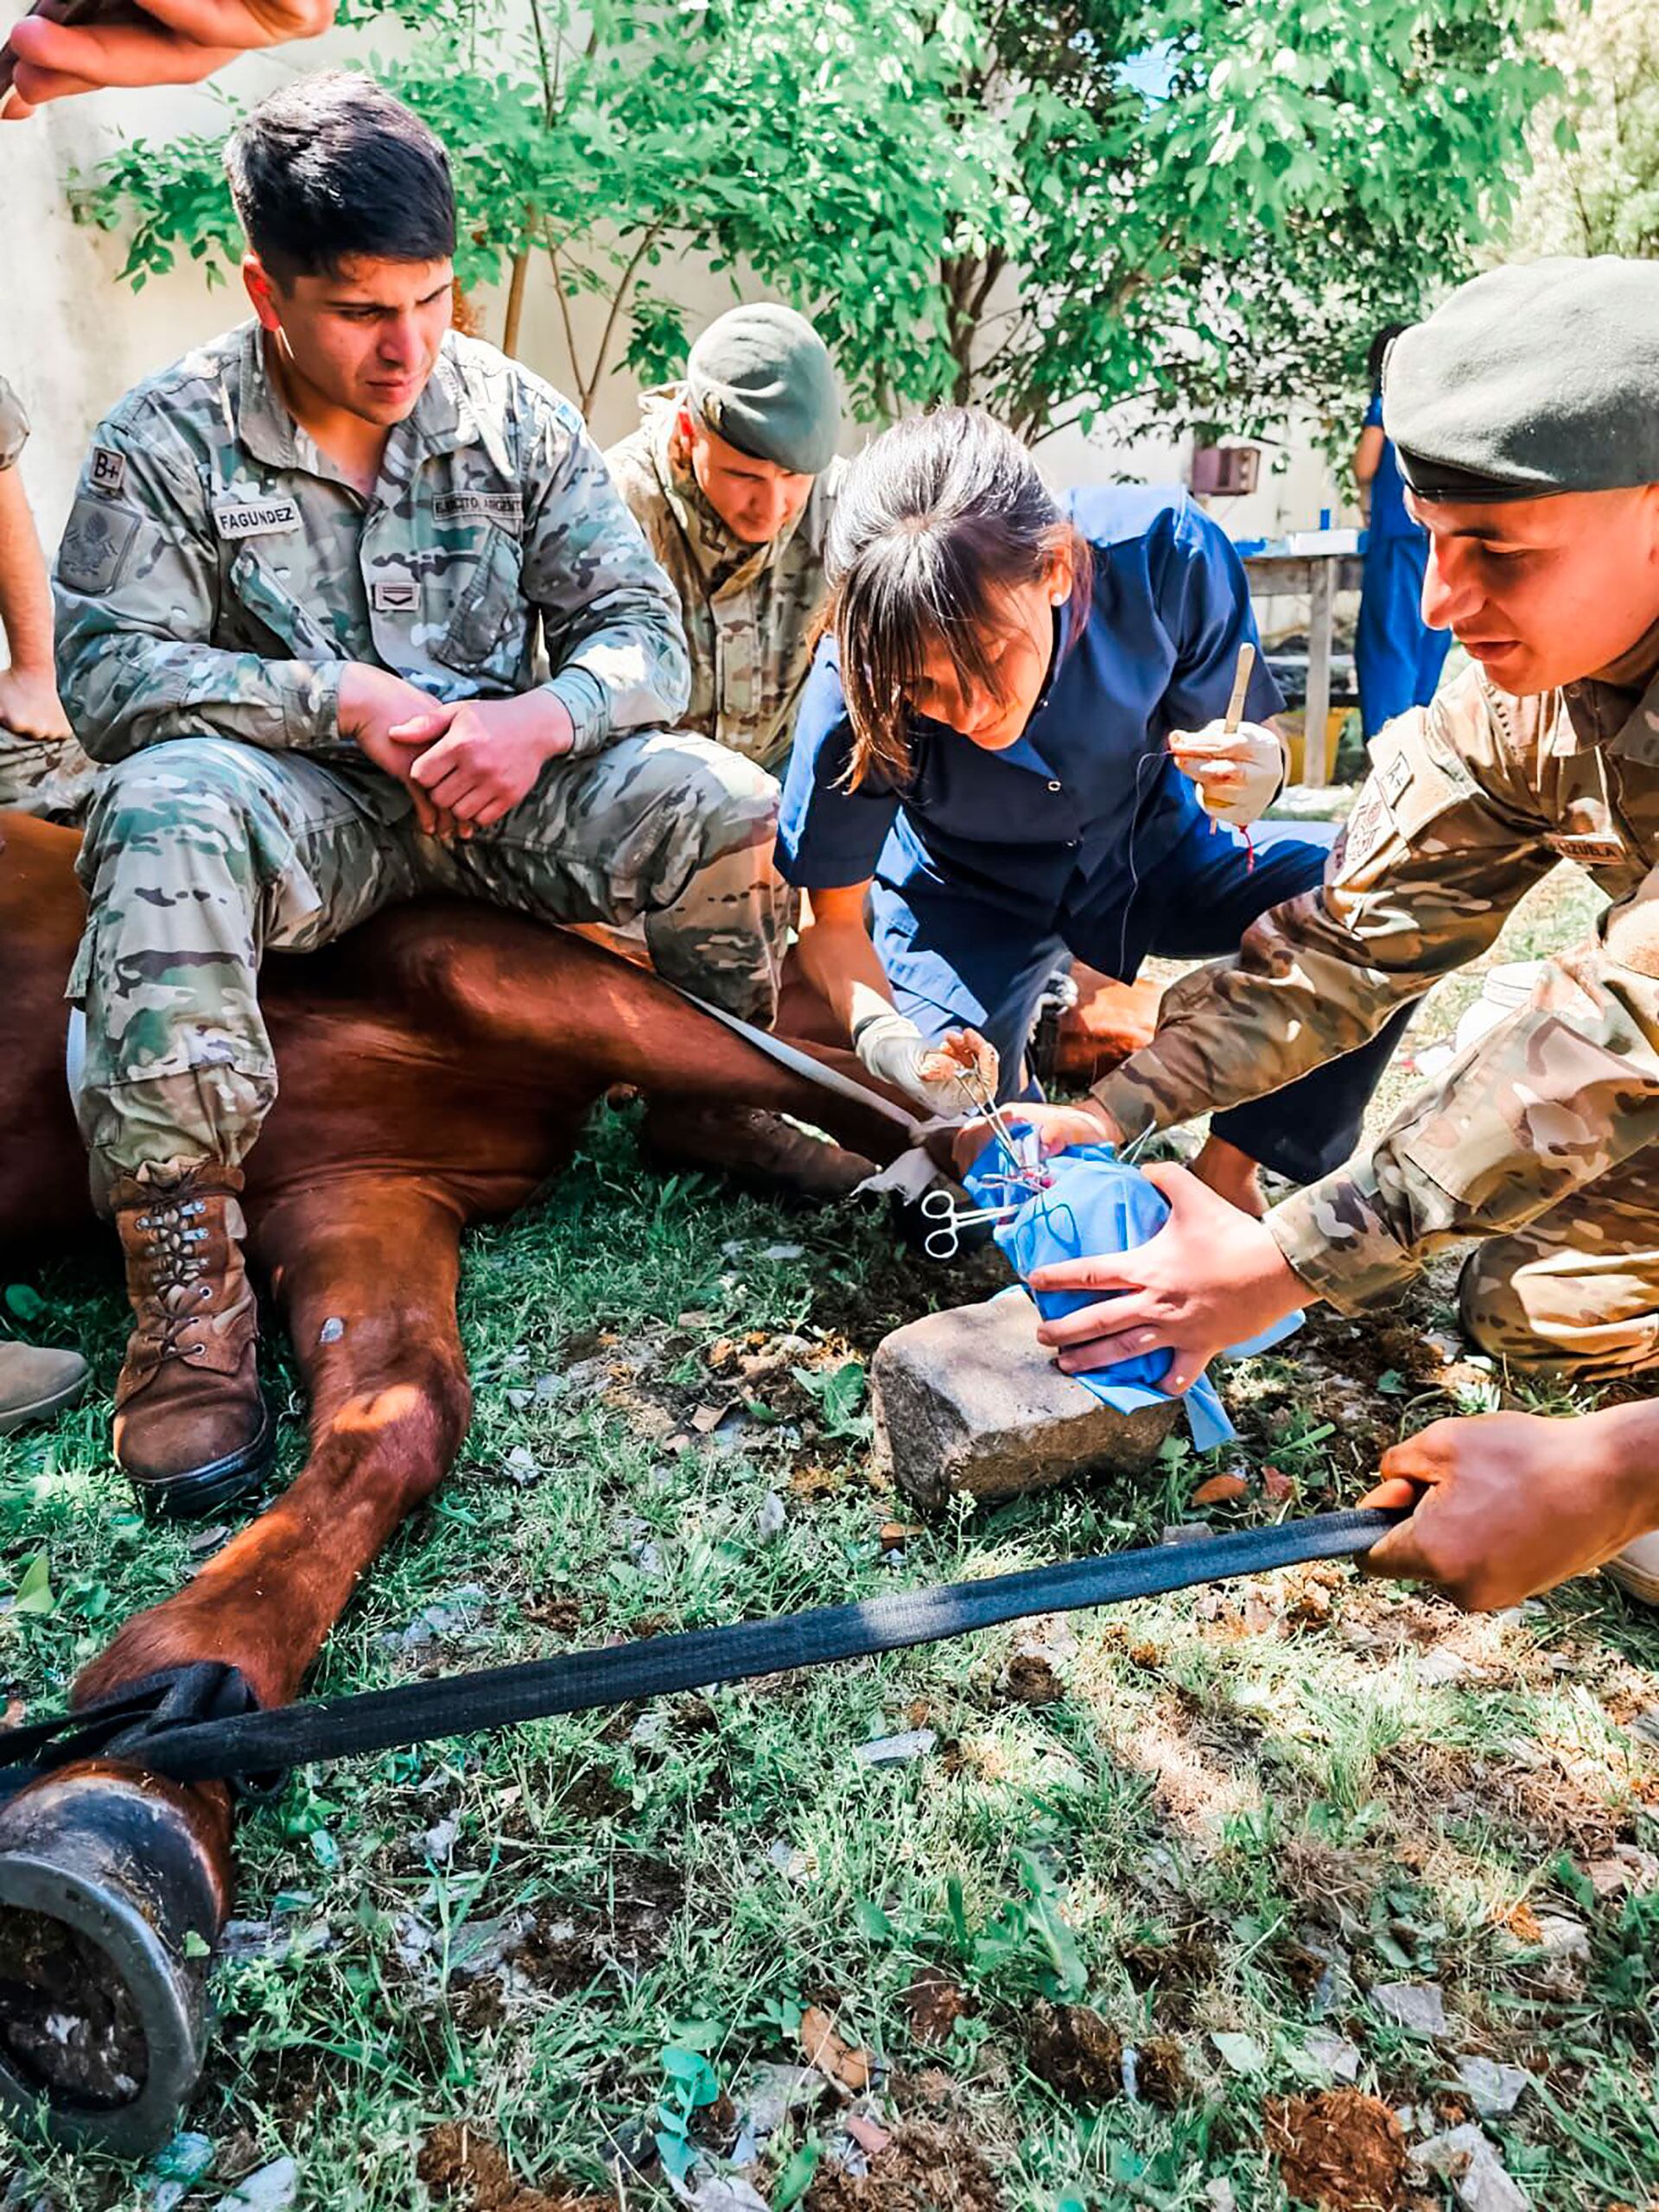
1339,2149
1076,2052
925,2169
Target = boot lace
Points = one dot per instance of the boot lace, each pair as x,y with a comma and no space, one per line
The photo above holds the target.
172,1227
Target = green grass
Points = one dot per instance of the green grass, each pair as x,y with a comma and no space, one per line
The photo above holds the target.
1234,1787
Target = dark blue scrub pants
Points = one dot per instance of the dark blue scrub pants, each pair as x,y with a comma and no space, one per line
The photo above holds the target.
1397,658
959,957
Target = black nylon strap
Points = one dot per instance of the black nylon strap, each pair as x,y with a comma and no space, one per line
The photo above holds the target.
259,1743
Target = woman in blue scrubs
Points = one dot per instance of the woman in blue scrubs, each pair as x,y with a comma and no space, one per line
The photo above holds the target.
1397,658
998,785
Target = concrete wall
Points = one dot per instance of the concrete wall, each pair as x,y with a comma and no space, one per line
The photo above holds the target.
76,338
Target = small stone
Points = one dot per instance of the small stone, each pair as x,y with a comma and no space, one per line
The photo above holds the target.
1334,2055
439,1839
726,2193
1442,1668
1646,1724
1218,2194
783,1251
552,1386
1241,2054
520,1401
175,2171
771,1520
966,1401
1186,1532
1418,2007
1494,2090
520,1466
1562,1937
269,2189
695,1317
1469,2160
896,1750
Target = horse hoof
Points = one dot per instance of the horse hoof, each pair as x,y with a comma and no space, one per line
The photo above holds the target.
111,1898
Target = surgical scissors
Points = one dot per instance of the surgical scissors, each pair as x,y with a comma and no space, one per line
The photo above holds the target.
946,1242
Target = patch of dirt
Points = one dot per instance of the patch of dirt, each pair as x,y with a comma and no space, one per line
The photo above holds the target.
1339,2149
594,1795
563,1953
933,2005
1076,2052
1030,1679
462,2170
564,1616
925,2168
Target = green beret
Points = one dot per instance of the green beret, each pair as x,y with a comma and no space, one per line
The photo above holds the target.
1530,381
762,379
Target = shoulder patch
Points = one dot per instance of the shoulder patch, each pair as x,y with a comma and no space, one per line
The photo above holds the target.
97,545
108,472
505,507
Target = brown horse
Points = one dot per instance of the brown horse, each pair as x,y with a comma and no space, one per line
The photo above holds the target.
437,1067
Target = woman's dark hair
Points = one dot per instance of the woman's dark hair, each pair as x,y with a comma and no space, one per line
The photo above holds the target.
936,521
1380,345
331,168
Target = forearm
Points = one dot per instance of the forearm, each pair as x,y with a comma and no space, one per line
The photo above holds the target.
126,689
1551,1100
25,594
837,958
1622,1443
632,671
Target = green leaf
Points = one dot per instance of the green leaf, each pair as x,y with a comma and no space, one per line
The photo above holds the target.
35,1587
196,1946
27,1305
1393,1384
874,1921
795,2179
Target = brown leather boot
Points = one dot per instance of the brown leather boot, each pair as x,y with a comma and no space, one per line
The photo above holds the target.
191,1428
761,1151
37,1382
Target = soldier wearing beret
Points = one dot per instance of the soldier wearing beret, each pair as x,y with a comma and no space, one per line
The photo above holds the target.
1524,414
732,476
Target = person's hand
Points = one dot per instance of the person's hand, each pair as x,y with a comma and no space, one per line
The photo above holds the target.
481,757
1057,1128
1507,1504
29,706
157,43
1209,1278
1237,772
896,1052
374,706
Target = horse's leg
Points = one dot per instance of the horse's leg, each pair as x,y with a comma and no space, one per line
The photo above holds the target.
366,1271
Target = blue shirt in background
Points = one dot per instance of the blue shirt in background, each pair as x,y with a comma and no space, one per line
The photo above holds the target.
1389,516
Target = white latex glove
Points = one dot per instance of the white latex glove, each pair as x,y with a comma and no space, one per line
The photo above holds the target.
894,1050
1238,773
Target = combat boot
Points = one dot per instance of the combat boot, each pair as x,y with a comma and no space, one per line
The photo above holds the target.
36,1383
191,1429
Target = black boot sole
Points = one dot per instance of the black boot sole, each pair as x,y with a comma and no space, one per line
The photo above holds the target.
207,1490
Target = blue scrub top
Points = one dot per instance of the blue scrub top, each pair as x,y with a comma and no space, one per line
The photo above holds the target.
1389,516
1089,790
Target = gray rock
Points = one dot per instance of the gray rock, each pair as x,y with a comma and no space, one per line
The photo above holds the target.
269,2189
1469,2160
771,1520
1418,2007
1494,2090
1334,2055
968,1400
896,1750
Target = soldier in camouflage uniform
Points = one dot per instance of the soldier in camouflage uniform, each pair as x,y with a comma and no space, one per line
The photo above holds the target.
303,599
732,476
36,1381
1523,412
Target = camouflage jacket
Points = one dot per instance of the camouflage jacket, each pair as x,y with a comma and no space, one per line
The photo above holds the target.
748,609
13,426
217,569
1470,802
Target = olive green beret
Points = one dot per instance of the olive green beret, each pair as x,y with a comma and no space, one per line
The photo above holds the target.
761,378
1531,380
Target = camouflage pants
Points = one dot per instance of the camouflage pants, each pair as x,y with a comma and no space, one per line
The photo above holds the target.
1577,1291
201,854
54,781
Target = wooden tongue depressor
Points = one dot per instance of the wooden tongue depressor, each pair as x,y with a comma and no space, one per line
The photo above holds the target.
1241,686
